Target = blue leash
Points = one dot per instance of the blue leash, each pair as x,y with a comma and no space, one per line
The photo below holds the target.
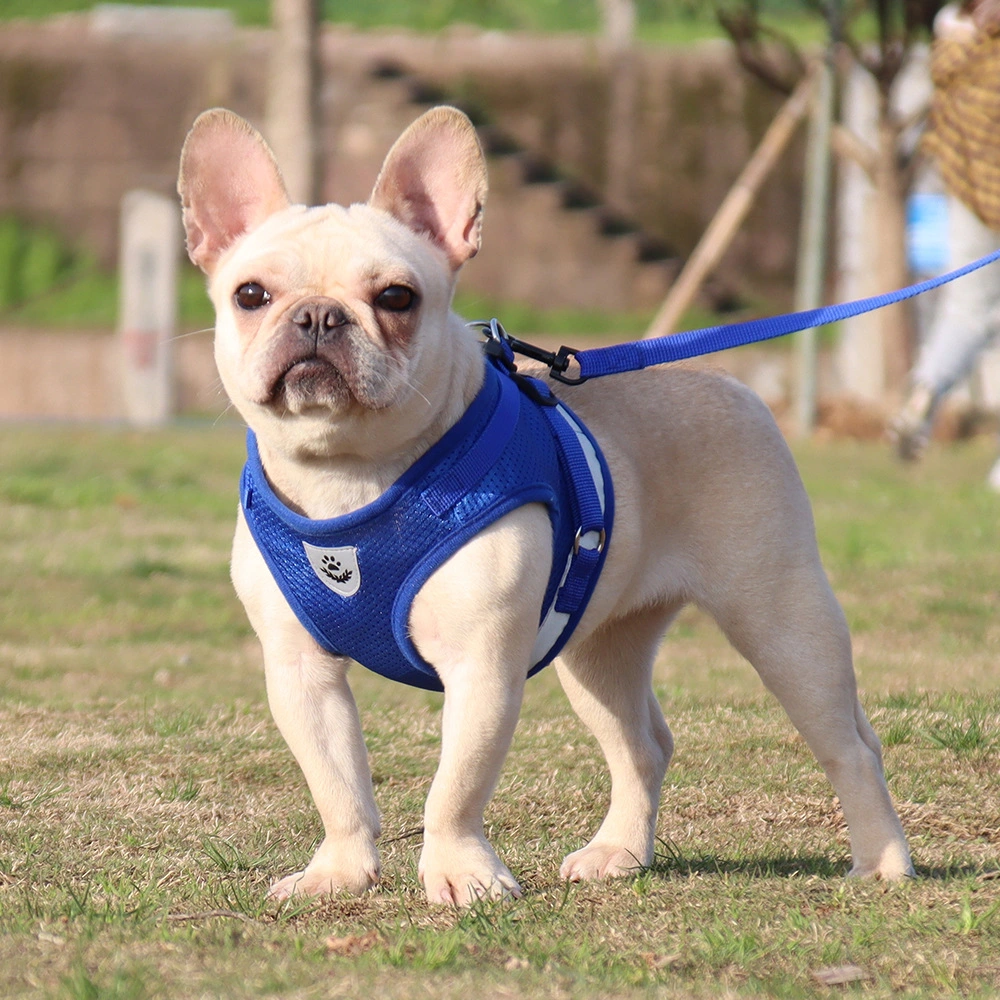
638,354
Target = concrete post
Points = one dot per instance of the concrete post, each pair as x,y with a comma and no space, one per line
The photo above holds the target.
862,357
150,248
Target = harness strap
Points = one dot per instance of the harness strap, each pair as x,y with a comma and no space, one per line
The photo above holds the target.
579,461
588,510
443,494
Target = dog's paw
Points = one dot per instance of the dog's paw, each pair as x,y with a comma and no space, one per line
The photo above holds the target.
600,861
331,871
459,873
893,863
318,882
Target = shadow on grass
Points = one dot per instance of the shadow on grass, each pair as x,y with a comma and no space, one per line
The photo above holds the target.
670,862
946,873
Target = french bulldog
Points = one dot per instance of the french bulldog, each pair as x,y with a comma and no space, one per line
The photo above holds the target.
336,341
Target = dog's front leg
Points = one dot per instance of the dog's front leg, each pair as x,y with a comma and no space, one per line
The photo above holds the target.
458,864
315,711
316,714
476,621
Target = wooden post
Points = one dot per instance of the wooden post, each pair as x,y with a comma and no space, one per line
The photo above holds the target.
812,244
733,211
893,271
293,97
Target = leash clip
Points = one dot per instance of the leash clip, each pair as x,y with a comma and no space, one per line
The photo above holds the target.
559,364
501,345
498,342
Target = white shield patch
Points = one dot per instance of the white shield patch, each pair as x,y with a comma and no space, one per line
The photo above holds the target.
337,568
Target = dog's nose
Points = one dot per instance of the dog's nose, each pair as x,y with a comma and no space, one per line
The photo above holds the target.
317,317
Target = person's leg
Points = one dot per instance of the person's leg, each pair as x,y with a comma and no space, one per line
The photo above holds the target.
993,479
964,322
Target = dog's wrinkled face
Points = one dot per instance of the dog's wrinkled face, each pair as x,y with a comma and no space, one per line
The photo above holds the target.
329,313
321,310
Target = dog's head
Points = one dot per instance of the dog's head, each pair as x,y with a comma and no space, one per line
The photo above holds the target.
328,316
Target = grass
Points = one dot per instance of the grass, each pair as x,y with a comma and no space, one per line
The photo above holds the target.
662,21
658,22
46,283
146,799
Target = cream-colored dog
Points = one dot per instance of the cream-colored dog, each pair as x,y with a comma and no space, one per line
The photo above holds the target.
710,509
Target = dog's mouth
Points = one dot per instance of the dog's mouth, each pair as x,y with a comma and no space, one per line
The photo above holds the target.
312,379
336,377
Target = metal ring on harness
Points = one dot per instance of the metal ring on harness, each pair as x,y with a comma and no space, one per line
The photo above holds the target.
601,539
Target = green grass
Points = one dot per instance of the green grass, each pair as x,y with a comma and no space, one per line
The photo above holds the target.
146,799
45,282
33,261
675,22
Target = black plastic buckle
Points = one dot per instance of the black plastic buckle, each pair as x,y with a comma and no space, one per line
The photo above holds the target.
560,362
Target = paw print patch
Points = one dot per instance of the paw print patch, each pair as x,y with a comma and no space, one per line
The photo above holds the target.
337,568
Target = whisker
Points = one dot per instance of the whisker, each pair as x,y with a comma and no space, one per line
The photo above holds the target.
410,385
386,380
215,423
193,333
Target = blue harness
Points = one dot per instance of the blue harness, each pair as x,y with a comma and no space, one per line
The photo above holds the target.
351,580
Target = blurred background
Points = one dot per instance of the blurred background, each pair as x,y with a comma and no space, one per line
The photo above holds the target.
616,131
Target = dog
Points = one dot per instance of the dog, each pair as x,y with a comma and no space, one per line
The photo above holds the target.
336,341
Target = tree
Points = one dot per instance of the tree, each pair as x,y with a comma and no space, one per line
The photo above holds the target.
293,96
775,59
618,31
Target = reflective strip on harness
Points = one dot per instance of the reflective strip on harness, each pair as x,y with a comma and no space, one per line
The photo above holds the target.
581,562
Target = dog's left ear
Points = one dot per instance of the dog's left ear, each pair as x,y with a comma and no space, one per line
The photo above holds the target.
434,181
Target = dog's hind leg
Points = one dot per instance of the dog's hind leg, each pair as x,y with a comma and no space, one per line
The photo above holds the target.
608,681
786,621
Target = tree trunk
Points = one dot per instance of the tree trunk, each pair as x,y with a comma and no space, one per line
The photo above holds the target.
619,36
293,97
890,259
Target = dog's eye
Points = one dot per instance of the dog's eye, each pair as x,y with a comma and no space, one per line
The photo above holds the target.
252,296
396,298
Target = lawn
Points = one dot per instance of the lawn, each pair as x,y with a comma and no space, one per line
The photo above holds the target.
146,798
659,21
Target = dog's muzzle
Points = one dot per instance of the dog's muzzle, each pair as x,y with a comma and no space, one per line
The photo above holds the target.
320,355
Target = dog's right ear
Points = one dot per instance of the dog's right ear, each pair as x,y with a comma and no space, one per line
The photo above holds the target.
229,184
